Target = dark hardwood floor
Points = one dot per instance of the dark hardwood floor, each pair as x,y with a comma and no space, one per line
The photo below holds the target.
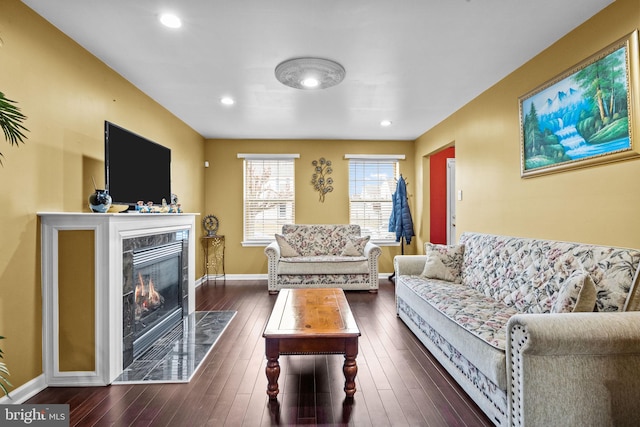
398,382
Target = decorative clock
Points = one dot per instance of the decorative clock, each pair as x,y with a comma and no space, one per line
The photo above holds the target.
210,224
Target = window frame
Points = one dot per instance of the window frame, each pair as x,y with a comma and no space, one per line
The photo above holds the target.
247,158
390,240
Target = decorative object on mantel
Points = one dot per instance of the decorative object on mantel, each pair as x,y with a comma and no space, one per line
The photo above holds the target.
149,207
210,223
321,183
11,122
100,200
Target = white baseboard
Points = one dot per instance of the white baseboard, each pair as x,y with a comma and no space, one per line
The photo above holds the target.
230,277
24,392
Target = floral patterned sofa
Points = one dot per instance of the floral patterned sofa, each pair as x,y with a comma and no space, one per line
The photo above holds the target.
322,255
537,332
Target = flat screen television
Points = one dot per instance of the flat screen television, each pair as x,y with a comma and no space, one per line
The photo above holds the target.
136,169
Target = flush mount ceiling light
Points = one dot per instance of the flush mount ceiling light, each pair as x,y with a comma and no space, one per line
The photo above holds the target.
310,73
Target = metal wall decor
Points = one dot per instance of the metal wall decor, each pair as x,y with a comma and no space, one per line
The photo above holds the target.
320,181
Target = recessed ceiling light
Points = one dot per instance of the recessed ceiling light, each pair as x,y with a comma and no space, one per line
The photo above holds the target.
227,100
385,123
309,73
310,82
170,20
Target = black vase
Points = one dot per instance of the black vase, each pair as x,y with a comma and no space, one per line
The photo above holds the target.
100,201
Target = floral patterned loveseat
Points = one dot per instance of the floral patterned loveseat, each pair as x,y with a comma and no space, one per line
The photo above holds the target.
322,255
537,332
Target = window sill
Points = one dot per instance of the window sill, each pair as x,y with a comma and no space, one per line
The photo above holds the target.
385,242
256,243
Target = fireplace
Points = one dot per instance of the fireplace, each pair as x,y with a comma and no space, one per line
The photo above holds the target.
106,275
154,291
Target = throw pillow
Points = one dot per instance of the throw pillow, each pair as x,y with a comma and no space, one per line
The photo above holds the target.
444,262
355,246
286,250
577,293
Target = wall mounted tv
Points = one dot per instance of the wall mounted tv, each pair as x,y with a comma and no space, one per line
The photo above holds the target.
136,169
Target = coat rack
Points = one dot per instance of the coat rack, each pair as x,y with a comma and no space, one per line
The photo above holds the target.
401,215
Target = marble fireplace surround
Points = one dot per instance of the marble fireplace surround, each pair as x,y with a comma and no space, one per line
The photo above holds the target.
110,231
159,245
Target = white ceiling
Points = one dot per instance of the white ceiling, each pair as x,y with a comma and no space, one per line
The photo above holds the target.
413,62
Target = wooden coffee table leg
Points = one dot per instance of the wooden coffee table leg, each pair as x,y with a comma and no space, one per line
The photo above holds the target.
273,367
350,367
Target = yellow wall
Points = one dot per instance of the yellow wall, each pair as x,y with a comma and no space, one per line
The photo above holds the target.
223,181
595,205
66,94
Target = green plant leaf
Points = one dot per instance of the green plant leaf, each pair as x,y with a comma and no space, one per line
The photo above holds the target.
11,120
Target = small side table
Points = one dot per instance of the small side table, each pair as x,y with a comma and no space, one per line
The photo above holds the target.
214,256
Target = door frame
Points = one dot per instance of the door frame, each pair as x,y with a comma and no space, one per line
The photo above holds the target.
451,201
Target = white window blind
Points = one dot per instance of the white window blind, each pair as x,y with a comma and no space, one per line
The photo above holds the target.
372,182
269,189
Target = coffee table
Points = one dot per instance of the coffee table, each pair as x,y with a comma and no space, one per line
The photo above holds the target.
311,321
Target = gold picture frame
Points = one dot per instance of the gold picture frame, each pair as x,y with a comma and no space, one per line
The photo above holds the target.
584,116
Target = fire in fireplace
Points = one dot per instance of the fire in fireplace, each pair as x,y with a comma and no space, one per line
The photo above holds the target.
158,305
148,300
153,305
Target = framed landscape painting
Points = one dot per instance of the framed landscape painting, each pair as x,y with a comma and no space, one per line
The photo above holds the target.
584,116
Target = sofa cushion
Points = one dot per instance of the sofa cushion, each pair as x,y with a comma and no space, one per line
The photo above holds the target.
577,293
482,316
473,324
355,246
319,239
286,250
327,264
444,262
527,273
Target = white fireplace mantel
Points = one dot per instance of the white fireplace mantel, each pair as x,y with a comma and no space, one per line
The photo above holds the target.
109,231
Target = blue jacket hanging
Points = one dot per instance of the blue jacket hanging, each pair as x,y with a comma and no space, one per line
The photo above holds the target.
400,221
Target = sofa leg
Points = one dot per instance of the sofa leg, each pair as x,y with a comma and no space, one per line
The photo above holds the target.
273,292
373,291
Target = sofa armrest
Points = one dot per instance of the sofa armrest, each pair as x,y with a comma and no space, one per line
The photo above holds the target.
273,250
273,258
580,368
409,265
372,250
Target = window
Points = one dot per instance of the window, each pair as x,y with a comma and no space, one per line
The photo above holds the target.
372,182
269,189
